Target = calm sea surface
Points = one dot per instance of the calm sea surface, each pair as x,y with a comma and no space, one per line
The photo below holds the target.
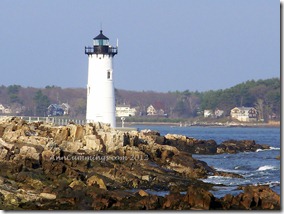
259,167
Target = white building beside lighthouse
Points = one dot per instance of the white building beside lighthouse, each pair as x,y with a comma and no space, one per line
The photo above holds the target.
100,87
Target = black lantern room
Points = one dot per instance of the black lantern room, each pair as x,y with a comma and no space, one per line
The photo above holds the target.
101,46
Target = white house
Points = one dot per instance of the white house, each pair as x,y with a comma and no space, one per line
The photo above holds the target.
245,114
58,110
218,113
124,111
151,110
5,109
66,108
2,108
208,113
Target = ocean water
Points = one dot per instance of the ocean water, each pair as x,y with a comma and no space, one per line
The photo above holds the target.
259,167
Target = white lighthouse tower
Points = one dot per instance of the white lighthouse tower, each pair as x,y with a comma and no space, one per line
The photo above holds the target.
100,88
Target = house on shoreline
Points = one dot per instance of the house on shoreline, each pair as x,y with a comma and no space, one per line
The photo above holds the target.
124,111
152,111
244,114
213,114
5,109
58,110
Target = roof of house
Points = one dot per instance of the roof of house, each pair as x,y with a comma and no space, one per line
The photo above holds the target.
55,106
123,105
157,105
65,105
244,108
101,36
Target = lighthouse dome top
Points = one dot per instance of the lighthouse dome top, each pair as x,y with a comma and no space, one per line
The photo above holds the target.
101,36
101,40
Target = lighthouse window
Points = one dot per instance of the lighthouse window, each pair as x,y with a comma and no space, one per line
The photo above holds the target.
108,75
101,42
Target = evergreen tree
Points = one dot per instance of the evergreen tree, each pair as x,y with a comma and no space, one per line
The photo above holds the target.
13,92
41,103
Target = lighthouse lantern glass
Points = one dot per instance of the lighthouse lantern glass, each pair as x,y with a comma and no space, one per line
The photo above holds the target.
101,42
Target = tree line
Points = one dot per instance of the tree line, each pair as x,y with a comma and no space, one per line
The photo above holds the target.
264,95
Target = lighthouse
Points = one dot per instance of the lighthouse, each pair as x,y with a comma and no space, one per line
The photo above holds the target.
100,87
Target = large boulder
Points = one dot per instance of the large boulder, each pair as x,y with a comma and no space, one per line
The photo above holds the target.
3,153
29,152
235,146
151,137
76,132
95,180
171,158
73,146
253,198
93,143
112,140
198,198
175,201
191,145
62,134
47,196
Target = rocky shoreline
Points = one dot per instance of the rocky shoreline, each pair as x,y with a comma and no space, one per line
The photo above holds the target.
95,167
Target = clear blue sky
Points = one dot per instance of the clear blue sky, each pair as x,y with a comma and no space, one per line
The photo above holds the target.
164,45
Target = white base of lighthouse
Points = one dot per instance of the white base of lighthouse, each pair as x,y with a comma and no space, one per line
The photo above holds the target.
100,90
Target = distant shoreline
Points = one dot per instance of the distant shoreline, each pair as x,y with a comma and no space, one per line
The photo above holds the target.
256,125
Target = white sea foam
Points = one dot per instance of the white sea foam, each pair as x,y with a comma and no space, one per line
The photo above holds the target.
270,183
241,168
250,175
266,167
223,180
220,169
229,170
271,148
214,179
273,183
